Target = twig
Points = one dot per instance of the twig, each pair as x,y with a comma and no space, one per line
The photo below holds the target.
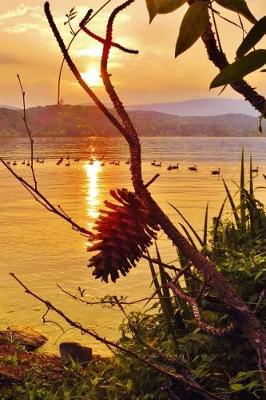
173,361
228,20
76,72
201,291
162,264
40,198
179,271
210,329
103,301
89,18
130,133
151,180
246,320
48,321
28,131
127,352
101,40
219,59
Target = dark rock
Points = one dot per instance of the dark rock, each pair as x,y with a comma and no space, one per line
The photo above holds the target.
24,336
76,352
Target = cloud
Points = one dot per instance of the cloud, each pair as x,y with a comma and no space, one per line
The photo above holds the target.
22,19
20,11
13,59
8,59
25,27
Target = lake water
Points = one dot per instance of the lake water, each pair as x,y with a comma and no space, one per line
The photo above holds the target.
43,250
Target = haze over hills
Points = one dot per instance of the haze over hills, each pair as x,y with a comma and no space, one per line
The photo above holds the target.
192,107
9,107
199,107
70,120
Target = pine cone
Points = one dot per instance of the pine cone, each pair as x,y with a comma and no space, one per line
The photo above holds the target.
123,232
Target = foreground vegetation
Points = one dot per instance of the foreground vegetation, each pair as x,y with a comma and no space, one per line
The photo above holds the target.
222,364
198,345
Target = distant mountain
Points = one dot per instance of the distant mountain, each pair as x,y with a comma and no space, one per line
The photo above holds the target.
70,120
9,107
200,107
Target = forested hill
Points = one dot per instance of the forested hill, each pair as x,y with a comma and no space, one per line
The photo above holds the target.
78,120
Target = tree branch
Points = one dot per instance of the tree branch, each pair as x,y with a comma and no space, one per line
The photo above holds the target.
28,131
40,198
219,59
127,352
241,314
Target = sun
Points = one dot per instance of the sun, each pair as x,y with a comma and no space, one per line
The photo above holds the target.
92,77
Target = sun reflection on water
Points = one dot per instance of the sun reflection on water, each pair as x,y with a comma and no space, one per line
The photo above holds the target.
93,200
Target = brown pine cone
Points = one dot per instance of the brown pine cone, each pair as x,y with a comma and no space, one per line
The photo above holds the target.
123,232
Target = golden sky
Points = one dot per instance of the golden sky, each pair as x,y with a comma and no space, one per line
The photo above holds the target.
28,47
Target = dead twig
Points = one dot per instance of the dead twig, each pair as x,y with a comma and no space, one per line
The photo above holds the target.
103,301
245,318
28,131
127,352
40,198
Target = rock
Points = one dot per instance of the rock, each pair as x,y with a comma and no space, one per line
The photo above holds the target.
76,352
24,336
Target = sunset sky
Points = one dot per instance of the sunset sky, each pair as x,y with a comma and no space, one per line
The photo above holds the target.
28,47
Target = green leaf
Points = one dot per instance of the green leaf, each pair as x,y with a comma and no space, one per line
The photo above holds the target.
188,224
205,229
168,6
240,68
192,26
254,35
162,6
152,8
129,385
238,6
237,387
232,204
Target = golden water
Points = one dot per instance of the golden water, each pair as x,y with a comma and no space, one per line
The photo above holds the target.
43,250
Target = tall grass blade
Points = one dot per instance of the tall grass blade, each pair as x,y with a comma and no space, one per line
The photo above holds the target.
251,188
232,204
216,222
169,312
164,277
155,280
188,224
205,228
188,235
242,193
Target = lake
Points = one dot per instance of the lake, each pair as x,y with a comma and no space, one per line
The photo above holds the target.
43,250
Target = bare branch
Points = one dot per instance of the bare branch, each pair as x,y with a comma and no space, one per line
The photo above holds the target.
89,16
28,131
101,40
103,301
210,329
244,317
219,59
129,133
39,197
150,182
174,361
76,72
127,352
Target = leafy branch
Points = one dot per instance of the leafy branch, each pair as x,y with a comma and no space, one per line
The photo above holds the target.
239,311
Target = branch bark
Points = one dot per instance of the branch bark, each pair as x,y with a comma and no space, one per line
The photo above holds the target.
219,59
239,311
194,386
